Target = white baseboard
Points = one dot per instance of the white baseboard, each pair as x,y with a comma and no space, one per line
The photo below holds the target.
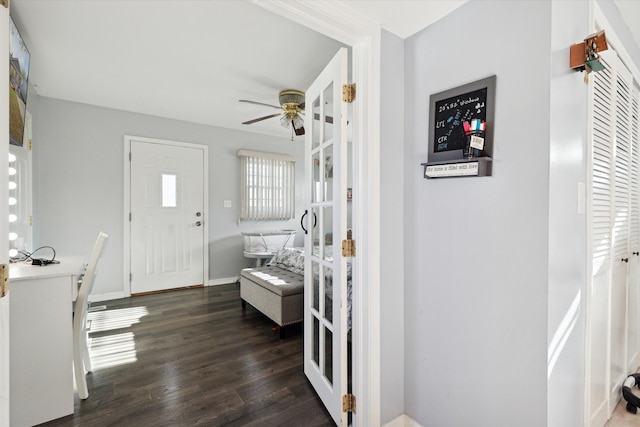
223,281
403,421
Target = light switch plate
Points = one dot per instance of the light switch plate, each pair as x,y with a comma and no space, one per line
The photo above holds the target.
227,204
4,280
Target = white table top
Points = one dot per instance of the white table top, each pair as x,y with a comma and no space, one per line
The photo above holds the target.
69,265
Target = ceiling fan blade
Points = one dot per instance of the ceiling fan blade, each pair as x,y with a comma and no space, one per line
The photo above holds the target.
260,103
260,119
301,105
299,131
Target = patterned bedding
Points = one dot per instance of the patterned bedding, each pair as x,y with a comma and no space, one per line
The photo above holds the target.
292,259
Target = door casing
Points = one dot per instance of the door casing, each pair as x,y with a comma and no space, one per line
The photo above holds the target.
127,204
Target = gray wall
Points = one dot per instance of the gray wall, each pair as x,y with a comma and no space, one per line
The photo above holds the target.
391,233
476,249
79,174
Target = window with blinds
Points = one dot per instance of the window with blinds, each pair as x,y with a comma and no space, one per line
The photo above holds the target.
267,182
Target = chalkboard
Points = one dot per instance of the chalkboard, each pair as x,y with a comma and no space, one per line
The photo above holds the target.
452,112
450,109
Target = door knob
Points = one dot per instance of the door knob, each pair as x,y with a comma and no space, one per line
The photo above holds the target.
625,259
198,223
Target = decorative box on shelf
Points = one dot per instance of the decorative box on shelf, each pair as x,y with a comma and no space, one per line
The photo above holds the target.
476,166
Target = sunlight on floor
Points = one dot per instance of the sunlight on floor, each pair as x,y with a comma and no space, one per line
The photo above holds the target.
119,348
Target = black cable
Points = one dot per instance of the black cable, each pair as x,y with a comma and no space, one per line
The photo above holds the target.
37,261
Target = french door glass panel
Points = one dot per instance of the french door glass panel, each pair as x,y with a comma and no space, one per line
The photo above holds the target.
325,269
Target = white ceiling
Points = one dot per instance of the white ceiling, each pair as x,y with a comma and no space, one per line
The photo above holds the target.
193,59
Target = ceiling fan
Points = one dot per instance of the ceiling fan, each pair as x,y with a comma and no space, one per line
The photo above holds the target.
291,111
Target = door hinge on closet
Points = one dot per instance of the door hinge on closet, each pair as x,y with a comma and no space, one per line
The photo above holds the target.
30,144
130,277
349,403
348,92
348,248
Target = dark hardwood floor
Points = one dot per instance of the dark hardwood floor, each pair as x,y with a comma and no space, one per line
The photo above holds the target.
193,357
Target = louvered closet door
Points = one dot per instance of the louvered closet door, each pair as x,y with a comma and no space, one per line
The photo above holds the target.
614,306
633,302
621,231
601,229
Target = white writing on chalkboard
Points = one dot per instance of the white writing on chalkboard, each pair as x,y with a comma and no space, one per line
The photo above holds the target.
451,113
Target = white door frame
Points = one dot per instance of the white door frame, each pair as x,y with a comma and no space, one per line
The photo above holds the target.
334,20
4,224
127,204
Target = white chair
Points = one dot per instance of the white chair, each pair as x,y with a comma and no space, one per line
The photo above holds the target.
81,359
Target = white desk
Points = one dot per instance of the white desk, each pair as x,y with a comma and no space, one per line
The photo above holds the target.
41,340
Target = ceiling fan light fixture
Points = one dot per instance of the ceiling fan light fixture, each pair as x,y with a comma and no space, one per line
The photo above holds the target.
284,121
297,121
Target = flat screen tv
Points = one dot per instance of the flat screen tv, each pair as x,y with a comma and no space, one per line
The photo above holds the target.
18,85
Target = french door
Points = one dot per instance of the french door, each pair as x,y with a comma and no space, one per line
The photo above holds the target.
325,295
614,299
167,215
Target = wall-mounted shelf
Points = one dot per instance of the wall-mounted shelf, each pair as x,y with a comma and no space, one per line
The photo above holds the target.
477,166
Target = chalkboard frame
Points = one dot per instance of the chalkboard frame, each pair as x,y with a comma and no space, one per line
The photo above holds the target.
490,84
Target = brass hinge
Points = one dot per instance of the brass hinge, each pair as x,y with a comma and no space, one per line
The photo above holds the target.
349,403
30,220
30,144
129,216
129,155
348,248
130,277
348,93
4,280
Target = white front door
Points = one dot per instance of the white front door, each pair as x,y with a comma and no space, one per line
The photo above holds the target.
167,215
325,337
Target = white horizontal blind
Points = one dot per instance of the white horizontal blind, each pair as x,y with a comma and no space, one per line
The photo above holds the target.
267,185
